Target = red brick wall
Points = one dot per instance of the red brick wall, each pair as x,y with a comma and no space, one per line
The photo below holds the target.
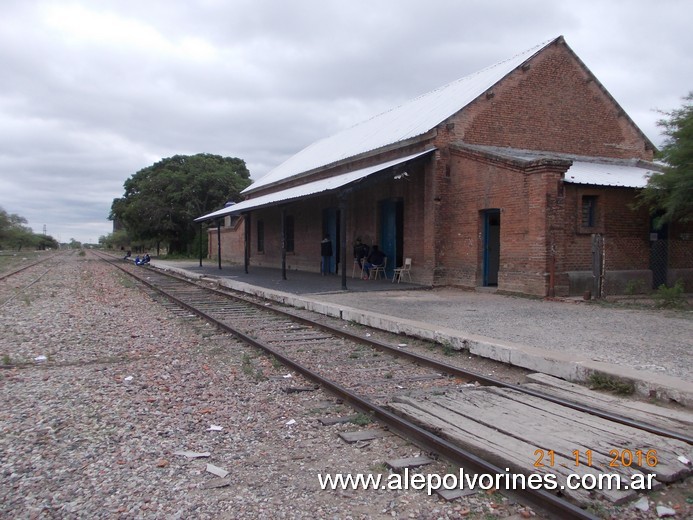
523,197
681,245
232,242
307,235
625,230
680,255
555,105
362,220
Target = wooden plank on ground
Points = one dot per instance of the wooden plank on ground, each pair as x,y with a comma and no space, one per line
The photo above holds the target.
529,424
428,377
299,339
505,452
408,462
329,421
570,430
362,435
299,389
676,419
559,429
454,494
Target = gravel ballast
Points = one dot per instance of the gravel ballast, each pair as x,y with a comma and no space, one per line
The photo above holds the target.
93,431
115,406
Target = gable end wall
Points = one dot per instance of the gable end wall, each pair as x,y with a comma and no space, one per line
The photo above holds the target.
554,105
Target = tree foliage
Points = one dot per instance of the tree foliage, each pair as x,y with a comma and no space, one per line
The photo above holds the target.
161,201
115,240
15,234
670,194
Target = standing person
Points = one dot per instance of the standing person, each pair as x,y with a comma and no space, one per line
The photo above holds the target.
360,252
326,254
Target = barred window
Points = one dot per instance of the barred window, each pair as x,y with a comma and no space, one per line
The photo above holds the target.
589,211
260,236
289,234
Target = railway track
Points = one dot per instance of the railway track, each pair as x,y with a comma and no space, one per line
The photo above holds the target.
17,270
391,382
24,277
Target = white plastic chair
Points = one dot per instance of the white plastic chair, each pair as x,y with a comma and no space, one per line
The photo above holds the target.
375,271
357,267
405,270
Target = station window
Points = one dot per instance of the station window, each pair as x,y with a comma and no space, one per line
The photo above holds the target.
289,233
260,236
589,211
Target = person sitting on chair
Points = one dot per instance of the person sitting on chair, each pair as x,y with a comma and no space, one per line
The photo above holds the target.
360,252
375,259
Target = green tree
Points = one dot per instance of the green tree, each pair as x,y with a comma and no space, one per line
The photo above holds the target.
44,242
670,194
15,234
13,231
115,240
161,201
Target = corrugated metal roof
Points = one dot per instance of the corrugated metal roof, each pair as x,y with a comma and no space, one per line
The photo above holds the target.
311,188
597,171
409,120
604,174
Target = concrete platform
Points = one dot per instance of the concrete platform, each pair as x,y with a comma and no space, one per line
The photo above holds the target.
566,339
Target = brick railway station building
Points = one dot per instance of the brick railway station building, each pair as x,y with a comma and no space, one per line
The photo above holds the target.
521,177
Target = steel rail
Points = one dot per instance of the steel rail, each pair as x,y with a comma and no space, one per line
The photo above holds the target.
489,381
450,369
537,498
17,271
23,289
456,371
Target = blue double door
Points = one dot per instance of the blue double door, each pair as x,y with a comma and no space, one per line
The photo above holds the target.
391,212
330,227
391,233
491,260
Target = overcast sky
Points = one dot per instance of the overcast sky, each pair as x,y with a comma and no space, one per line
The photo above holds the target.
93,91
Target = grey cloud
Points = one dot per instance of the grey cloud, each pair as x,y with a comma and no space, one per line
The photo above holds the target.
82,110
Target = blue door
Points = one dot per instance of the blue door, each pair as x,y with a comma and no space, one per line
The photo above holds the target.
391,231
491,247
330,227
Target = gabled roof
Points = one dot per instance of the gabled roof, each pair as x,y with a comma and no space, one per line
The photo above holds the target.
409,120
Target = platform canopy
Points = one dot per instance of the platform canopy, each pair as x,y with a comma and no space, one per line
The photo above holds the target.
594,171
309,189
605,174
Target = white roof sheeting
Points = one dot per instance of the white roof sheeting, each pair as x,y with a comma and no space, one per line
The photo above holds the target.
413,118
310,188
597,171
602,174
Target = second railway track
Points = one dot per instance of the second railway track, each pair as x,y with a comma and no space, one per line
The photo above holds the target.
417,397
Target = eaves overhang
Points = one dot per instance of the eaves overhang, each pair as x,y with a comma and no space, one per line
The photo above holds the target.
311,188
420,140
594,171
